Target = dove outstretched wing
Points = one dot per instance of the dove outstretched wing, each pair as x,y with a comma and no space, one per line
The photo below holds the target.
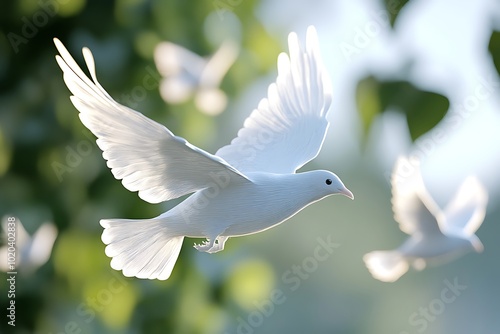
144,155
466,211
413,207
288,127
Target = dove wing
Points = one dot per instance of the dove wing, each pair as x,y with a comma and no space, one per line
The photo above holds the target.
43,241
172,59
414,209
288,127
145,155
218,65
467,209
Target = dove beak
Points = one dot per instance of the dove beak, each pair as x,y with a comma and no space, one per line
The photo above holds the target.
346,192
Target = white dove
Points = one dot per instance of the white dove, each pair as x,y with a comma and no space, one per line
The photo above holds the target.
435,236
186,74
31,251
247,187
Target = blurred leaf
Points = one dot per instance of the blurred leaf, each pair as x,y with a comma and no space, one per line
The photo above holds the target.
368,100
77,254
423,109
393,8
5,153
112,297
250,281
71,8
494,49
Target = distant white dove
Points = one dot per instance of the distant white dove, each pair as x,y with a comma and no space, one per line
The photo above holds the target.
435,236
31,251
249,186
186,74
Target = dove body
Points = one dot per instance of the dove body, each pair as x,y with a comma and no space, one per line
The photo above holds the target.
435,247
232,207
237,207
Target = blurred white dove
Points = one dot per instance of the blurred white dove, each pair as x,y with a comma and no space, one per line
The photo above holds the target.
186,74
31,251
435,236
247,187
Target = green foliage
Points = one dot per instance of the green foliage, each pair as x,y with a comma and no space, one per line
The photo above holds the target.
393,9
494,49
423,109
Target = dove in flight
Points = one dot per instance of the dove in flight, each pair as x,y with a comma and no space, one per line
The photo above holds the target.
31,252
435,236
187,74
247,187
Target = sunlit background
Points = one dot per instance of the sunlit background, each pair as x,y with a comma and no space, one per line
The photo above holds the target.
417,78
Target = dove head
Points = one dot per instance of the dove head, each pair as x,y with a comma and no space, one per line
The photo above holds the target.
326,183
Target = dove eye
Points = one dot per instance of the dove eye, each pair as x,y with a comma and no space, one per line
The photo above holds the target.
328,181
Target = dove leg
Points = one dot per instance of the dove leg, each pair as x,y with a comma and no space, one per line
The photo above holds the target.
205,246
219,245
212,245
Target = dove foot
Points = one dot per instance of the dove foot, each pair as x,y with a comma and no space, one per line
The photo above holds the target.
212,245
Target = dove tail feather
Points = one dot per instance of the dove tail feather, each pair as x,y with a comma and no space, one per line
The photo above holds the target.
141,248
386,266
